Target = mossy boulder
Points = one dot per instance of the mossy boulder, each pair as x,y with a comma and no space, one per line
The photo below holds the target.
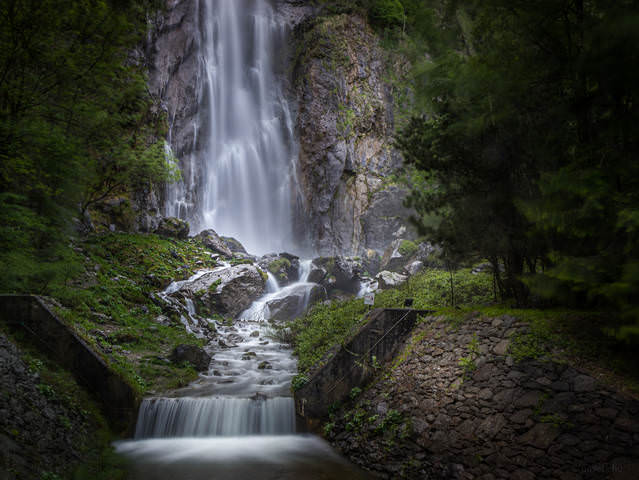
227,291
211,240
173,228
192,354
284,267
234,245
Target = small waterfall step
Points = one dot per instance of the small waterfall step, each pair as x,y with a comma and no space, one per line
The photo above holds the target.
218,416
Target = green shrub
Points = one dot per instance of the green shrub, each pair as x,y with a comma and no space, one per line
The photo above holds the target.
407,248
387,13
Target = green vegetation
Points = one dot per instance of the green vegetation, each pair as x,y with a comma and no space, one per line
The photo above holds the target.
110,304
468,362
77,127
279,265
326,326
544,185
567,335
407,248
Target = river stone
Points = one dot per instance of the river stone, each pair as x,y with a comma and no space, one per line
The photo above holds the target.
227,291
193,354
301,297
211,240
173,227
337,273
388,279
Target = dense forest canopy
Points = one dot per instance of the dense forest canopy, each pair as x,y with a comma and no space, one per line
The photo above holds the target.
76,125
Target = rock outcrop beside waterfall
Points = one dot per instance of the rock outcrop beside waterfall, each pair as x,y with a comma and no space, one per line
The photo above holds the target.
227,291
346,125
172,63
344,120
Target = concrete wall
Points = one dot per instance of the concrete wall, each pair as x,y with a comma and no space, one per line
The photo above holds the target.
57,341
353,365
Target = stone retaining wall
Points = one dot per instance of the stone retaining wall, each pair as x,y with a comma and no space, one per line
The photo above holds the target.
355,363
435,415
57,341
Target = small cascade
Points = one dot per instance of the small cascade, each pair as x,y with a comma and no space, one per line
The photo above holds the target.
305,270
271,283
218,416
297,295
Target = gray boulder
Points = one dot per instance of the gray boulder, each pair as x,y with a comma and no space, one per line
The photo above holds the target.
211,240
227,291
337,273
413,267
371,262
173,227
300,298
388,279
192,354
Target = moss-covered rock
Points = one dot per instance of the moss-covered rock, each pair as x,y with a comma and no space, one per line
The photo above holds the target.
172,227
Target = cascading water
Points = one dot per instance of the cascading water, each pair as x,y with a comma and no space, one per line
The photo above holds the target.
241,174
237,421
298,293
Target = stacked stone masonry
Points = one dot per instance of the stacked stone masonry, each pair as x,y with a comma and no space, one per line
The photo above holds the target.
435,415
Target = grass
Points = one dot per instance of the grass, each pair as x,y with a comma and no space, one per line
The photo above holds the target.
582,338
576,337
328,325
110,304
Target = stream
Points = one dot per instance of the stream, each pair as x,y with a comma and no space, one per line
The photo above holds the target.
237,421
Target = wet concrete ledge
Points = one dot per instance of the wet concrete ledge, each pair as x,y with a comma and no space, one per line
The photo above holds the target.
55,339
354,364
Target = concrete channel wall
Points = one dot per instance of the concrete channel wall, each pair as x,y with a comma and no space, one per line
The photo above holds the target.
57,341
354,364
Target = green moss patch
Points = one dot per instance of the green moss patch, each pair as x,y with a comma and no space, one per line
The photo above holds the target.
327,326
111,305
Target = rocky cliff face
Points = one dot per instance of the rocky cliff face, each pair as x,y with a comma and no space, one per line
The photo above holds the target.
171,53
346,126
344,121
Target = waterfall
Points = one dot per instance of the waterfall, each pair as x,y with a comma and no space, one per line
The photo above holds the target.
244,149
218,416
238,419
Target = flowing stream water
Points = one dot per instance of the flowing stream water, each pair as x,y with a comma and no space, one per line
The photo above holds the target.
237,421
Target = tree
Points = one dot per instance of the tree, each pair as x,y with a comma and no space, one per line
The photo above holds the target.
529,140
73,110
